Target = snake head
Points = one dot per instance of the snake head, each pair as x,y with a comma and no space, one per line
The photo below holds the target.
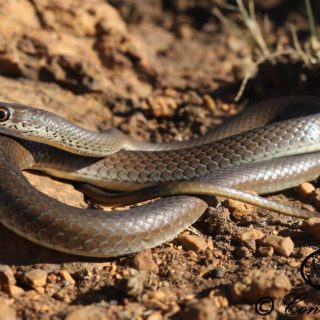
28,123
42,126
19,120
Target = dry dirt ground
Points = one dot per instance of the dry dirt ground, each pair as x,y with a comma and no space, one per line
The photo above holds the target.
158,70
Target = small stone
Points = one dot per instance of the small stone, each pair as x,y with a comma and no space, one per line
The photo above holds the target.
6,275
250,244
294,263
267,251
65,275
12,290
242,252
239,209
158,294
248,238
192,255
304,252
189,297
307,206
6,311
162,106
63,192
204,309
143,261
135,284
155,316
185,31
225,106
219,298
261,283
132,310
31,295
305,189
312,227
218,272
316,197
194,98
161,299
170,92
252,234
35,278
282,245
88,313
39,290
191,242
210,103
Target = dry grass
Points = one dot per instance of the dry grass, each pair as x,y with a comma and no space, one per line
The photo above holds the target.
308,52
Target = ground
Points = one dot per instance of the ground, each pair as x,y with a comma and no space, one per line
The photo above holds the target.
159,70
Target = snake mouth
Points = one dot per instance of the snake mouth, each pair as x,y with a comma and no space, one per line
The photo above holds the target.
13,128
14,132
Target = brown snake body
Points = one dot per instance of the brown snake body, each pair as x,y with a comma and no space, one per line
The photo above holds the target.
265,159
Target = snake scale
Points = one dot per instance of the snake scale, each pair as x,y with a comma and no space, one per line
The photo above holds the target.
246,153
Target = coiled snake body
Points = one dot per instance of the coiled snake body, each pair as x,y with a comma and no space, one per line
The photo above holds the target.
265,159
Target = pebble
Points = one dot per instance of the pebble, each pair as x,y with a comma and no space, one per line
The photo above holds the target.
209,103
305,189
170,92
191,242
239,209
192,97
219,298
184,31
12,290
192,255
266,251
6,311
32,295
261,283
143,261
204,309
252,234
35,278
248,238
88,313
307,206
161,300
189,297
282,245
6,275
39,290
134,285
65,275
132,310
242,252
250,244
316,197
294,263
312,227
219,272
63,192
162,106
158,294
155,316
304,252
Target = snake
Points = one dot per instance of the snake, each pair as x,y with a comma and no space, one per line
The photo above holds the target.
257,150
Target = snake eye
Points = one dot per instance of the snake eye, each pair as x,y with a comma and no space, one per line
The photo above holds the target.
4,114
